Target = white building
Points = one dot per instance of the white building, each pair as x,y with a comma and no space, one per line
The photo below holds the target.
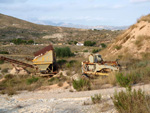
80,44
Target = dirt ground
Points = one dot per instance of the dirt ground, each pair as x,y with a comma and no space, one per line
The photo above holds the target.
60,100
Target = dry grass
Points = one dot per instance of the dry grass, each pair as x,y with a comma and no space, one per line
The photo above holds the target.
98,82
118,47
140,39
29,30
14,83
97,98
145,18
112,79
133,26
81,85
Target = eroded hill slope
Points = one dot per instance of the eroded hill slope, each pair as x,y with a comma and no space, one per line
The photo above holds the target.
11,28
133,43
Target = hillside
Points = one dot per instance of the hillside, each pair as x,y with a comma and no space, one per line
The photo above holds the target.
11,27
133,43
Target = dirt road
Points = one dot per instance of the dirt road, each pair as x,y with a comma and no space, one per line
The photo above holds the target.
61,101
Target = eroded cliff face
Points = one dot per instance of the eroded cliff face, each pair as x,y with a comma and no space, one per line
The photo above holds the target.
134,42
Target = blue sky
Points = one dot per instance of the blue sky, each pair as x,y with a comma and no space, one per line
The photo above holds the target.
82,12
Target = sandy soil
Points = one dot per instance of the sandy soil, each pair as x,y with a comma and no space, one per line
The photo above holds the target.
61,100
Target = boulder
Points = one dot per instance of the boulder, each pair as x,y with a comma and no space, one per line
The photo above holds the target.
19,71
76,77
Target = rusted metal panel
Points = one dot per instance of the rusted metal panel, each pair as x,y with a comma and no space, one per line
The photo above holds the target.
44,50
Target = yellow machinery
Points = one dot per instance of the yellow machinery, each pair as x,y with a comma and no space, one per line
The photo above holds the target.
45,60
96,66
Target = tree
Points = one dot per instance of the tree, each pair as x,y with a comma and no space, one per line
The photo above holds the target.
89,43
63,52
103,45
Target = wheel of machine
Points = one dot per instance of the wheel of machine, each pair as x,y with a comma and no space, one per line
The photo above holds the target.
85,76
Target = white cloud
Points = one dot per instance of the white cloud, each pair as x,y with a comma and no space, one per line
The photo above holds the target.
135,1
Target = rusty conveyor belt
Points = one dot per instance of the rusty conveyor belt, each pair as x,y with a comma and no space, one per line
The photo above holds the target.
16,62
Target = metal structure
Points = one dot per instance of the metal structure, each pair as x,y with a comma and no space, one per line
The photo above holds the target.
96,66
45,60
16,62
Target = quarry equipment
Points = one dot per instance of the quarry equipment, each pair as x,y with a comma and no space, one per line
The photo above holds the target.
96,66
16,62
44,61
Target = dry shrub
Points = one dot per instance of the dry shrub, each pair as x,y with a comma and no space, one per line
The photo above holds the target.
81,85
60,84
118,47
138,71
139,41
144,18
5,70
32,80
57,80
10,91
98,82
112,79
126,38
15,83
133,26
96,98
145,56
131,102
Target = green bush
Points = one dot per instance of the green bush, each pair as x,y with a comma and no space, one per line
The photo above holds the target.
4,52
131,102
21,41
30,42
81,84
14,83
75,42
1,76
70,63
8,76
122,80
96,98
5,70
89,43
32,80
1,61
63,52
53,80
95,50
103,45
118,47
85,51
61,62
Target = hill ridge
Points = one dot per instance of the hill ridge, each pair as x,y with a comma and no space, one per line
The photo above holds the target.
134,42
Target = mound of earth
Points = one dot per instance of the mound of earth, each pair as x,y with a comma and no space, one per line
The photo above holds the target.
133,43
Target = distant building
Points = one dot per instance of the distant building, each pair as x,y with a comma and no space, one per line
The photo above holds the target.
60,43
11,43
80,44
